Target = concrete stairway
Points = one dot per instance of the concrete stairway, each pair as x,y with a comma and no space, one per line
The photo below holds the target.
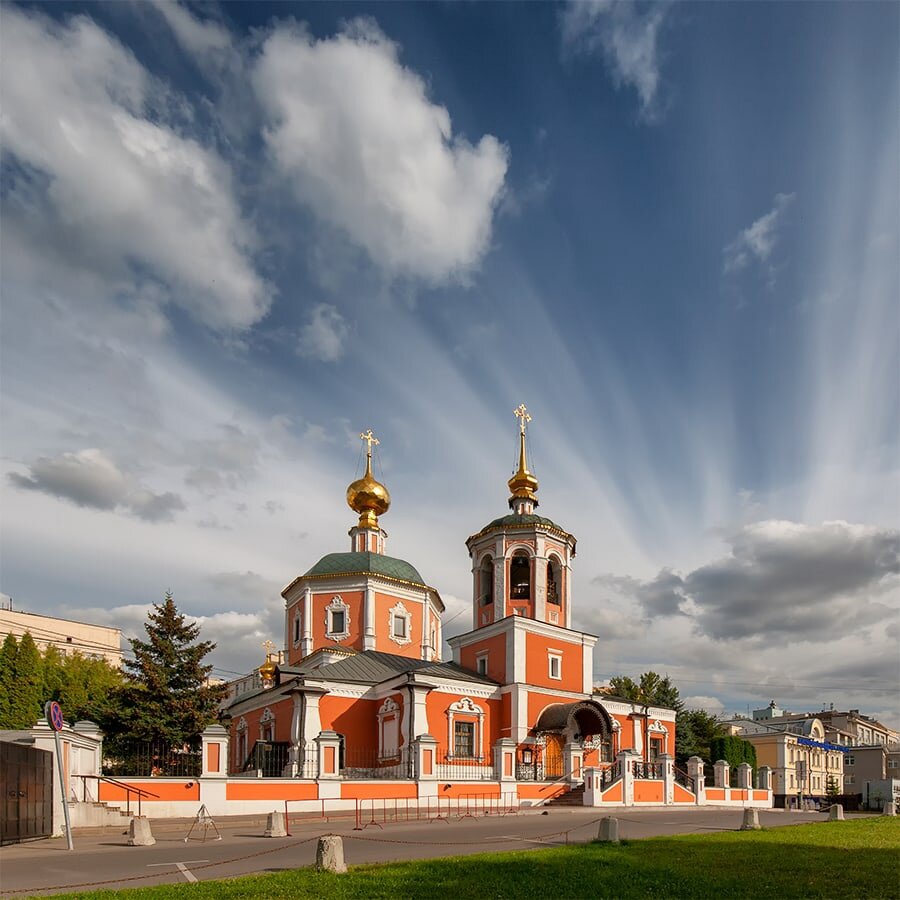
574,797
97,815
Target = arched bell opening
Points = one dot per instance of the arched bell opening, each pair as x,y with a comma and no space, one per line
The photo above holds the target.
520,577
486,581
554,581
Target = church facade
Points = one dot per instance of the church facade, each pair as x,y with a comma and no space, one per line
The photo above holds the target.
362,692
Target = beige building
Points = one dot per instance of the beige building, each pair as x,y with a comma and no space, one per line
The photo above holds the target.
801,759
97,641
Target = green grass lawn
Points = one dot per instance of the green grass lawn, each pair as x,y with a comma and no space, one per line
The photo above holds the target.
852,859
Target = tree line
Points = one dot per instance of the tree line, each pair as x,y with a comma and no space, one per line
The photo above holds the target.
163,694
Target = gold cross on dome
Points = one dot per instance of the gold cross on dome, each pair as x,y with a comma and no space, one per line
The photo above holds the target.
370,439
269,647
521,413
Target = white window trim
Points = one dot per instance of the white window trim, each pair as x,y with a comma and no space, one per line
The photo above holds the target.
387,712
551,656
479,659
266,723
466,709
298,631
401,611
657,727
337,605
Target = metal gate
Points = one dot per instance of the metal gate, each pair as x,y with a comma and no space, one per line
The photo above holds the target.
26,792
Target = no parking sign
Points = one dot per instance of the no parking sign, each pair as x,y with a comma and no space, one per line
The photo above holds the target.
54,717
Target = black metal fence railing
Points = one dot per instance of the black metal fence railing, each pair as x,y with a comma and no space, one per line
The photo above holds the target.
647,770
533,771
139,759
685,780
610,774
464,768
369,764
269,758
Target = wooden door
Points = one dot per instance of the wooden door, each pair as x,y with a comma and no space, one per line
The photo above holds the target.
553,756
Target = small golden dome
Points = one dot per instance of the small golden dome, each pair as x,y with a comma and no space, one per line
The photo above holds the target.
368,497
267,670
523,484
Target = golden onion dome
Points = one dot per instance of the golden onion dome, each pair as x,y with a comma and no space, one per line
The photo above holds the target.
267,670
367,496
523,484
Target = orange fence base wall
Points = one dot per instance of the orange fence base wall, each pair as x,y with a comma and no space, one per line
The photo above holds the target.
259,790
648,792
379,791
715,794
540,791
682,795
164,790
614,794
760,795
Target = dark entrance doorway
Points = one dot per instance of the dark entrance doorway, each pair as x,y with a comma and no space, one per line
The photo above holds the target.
553,756
26,793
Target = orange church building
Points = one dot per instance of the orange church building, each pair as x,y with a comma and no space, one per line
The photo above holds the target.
364,694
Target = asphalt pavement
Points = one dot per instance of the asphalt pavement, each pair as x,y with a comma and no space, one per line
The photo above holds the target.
104,860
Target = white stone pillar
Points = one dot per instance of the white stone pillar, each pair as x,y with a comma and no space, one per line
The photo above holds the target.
369,617
696,770
721,771
426,748
745,776
418,696
637,726
592,789
540,589
505,760
214,745
329,743
573,759
625,759
764,778
668,773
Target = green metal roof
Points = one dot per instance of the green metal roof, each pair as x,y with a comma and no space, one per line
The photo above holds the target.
522,521
374,563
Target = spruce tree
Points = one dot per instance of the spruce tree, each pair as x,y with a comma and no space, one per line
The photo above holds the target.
26,687
167,696
8,653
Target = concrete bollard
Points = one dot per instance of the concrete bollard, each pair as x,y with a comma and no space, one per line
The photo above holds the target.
836,813
330,854
609,830
275,825
751,820
889,808
139,834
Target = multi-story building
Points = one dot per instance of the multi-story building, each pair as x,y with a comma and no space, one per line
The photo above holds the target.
803,761
97,641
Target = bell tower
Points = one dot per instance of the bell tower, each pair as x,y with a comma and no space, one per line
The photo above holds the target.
521,562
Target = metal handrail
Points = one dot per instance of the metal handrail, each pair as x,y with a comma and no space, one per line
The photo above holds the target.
128,788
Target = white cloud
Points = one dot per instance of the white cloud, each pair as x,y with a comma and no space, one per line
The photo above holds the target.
783,579
108,185
626,35
200,37
756,243
367,150
324,335
89,478
710,704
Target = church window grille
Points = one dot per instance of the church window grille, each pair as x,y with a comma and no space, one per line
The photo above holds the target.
464,739
553,582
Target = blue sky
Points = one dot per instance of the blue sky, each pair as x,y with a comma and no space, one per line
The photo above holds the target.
235,236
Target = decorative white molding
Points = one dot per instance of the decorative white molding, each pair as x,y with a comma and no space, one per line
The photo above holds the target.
266,717
241,725
388,729
400,611
337,605
465,709
657,727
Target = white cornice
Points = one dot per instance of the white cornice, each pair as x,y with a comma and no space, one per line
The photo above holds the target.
523,623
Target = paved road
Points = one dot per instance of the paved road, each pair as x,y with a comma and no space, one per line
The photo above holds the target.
105,860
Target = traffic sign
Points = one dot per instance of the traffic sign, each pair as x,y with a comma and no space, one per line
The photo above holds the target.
53,712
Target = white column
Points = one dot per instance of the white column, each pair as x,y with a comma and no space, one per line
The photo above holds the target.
306,642
573,759
419,710
505,760
745,776
720,772
624,759
369,616
638,733
540,587
568,590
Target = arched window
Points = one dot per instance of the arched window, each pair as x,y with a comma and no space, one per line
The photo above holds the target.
486,581
520,577
554,582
